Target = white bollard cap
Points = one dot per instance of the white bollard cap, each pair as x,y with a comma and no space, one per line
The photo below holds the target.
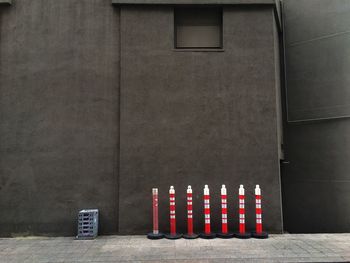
171,190
154,191
241,189
189,189
206,189
257,190
223,190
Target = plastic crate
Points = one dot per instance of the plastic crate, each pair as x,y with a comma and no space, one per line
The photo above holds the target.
87,224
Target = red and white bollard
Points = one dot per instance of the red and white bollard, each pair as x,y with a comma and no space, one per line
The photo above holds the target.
155,234
207,231
258,211
172,234
242,233
224,223
190,234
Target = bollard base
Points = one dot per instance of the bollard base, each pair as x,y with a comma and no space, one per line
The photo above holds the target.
173,236
225,235
245,235
207,236
190,236
261,235
155,236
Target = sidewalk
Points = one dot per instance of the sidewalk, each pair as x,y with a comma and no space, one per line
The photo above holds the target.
278,248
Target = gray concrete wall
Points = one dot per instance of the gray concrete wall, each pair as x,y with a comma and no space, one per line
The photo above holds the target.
316,182
59,94
197,118
318,49
74,73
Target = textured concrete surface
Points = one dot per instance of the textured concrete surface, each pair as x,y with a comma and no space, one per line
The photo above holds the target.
278,248
317,35
316,180
197,117
186,117
59,80
316,184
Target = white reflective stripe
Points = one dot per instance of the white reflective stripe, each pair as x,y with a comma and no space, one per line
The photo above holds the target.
207,221
258,206
224,215
206,206
241,215
241,201
241,221
224,221
206,201
258,215
223,200
189,211
258,201
172,212
172,198
224,206
259,221
172,217
207,216
189,198
241,206
189,216
189,203
172,203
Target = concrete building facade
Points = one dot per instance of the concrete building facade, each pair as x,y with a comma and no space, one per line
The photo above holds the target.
316,177
98,106
193,116
100,101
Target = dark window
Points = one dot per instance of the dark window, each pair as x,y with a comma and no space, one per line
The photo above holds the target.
197,27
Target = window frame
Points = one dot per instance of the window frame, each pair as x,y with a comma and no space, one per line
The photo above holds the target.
221,24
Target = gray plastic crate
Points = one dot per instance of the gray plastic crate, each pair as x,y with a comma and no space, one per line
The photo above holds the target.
87,224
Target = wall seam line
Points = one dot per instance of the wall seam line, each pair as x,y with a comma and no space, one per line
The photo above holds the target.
318,38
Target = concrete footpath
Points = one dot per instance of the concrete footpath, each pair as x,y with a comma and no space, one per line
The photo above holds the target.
278,248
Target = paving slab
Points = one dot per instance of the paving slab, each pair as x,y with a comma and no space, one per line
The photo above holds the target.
277,248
